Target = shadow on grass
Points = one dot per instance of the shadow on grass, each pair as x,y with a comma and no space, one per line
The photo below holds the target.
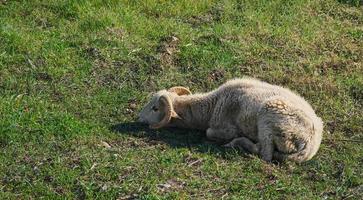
176,138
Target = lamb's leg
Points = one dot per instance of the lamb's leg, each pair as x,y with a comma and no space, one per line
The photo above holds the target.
265,142
221,135
243,143
270,118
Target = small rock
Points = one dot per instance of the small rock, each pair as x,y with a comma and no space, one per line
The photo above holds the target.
173,38
105,144
104,187
129,111
171,184
93,166
36,170
164,187
133,105
128,197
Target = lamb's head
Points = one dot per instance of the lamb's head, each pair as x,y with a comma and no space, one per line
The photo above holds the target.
159,111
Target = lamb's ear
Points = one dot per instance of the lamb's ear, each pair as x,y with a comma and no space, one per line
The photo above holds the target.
179,90
174,115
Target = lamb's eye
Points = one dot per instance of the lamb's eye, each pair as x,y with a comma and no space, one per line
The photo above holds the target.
154,108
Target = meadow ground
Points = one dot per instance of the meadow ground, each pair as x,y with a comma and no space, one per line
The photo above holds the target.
74,74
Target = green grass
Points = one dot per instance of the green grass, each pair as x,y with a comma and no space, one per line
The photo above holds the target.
74,74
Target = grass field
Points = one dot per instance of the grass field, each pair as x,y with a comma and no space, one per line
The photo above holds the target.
74,74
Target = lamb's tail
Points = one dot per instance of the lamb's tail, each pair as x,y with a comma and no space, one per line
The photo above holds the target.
308,150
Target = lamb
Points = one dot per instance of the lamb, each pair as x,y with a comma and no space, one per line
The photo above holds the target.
263,119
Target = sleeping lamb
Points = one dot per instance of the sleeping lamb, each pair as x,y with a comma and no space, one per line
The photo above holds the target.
264,119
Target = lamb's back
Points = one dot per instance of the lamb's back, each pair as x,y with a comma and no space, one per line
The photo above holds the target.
256,92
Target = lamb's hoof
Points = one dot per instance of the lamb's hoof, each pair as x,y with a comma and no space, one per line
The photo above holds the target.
228,145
